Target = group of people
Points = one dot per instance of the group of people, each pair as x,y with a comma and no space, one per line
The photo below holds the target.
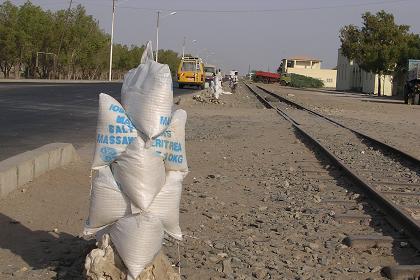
216,84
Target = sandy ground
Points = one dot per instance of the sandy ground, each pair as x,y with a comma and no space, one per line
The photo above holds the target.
384,118
257,204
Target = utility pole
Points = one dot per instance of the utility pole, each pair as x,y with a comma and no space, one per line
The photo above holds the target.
157,31
157,35
112,40
183,47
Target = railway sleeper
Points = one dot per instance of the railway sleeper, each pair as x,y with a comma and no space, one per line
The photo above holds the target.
402,272
368,241
353,218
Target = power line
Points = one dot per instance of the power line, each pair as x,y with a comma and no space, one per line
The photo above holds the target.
374,3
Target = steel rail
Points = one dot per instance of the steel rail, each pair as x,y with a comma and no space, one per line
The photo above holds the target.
376,141
394,214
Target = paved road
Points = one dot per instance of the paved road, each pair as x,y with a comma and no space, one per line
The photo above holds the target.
32,115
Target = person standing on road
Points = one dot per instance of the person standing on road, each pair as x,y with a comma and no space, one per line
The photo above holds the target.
234,82
219,74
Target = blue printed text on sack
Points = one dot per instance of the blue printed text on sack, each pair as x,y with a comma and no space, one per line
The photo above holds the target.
116,108
124,120
173,158
111,139
118,129
165,120
169,145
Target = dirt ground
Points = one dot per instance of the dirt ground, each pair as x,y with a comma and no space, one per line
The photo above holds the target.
256,205
384,118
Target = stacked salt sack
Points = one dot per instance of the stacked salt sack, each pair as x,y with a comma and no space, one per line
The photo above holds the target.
141,163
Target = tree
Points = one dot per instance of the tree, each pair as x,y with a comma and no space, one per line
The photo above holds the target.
8,37
35,27
64,43
171,58
377,45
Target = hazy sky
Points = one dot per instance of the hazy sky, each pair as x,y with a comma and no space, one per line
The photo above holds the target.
260,34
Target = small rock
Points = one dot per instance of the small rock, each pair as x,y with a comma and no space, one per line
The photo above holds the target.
262,208
227,268
259,273
313,246
218,245
403,244
375,269
214,259
236,261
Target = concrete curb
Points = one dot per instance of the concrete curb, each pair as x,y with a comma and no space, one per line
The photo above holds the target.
46,81
23,168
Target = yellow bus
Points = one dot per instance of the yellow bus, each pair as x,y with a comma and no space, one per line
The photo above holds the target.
191,72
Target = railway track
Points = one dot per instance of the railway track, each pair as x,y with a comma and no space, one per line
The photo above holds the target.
388,176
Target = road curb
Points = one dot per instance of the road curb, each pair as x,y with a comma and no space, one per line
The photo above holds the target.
21,169
46,81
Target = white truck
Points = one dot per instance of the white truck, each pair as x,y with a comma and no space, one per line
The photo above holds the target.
412,85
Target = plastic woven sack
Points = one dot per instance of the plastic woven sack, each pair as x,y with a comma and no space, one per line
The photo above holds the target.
107,202
147,95
138,239
165,206
114,131
171,143
140,173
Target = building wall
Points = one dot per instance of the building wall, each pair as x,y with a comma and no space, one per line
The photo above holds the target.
370,84
328,76
307,64
301,64
344,73
351,77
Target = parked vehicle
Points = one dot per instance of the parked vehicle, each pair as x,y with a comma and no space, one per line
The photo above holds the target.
412,85
210,72
266,77
191,72
285,79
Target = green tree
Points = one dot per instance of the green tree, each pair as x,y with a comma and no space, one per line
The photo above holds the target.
171,58
62,44
36,27
8,37
377,45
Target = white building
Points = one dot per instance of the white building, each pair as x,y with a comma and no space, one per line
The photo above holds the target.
351,77
310,67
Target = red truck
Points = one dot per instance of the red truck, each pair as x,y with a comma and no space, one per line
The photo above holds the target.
267,77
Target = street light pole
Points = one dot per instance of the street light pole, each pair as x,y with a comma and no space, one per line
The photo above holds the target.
112,40
183,47
157,31
193,42
157,35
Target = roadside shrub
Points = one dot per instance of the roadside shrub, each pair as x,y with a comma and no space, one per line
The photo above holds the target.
301,81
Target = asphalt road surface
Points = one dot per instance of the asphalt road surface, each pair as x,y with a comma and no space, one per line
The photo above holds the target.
32,115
